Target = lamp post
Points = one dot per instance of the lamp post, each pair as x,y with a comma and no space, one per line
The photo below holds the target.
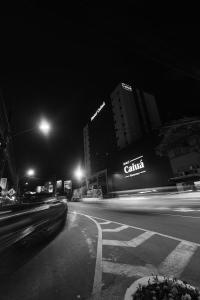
43,126
29,173
79,173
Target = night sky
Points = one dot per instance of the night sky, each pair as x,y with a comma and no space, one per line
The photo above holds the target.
61,62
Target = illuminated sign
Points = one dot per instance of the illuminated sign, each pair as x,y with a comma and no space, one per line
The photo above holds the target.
3,183
67,185
134,167
127,87
98,111
38,189
59,184
51,188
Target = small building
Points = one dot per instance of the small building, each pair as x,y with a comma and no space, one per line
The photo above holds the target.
181,144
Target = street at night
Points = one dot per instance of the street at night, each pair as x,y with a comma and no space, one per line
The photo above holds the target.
99,151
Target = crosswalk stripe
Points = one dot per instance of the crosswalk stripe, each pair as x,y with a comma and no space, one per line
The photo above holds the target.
178,259
132,243
128,270
115,229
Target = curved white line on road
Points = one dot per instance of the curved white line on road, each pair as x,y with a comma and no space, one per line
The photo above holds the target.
96,291
155,232
118,229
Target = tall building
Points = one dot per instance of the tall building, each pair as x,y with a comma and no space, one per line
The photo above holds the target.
99,144
135,114
86,144
120,130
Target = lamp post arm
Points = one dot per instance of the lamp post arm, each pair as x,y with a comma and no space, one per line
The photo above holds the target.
24,131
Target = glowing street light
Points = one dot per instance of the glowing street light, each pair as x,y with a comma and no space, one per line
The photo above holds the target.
30,172
44,127
79,173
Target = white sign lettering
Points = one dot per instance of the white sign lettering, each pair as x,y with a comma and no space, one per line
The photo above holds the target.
98,111
134,167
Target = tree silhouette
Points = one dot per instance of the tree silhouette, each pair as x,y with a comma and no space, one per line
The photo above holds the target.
184,132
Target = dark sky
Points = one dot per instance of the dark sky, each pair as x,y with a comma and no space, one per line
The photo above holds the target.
60,61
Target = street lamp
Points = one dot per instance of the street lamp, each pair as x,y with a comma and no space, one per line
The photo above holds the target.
30,172
44,127
79,173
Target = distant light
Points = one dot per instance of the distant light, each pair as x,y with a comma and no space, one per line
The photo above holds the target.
26,183
30,172
44,127
126,87
79,173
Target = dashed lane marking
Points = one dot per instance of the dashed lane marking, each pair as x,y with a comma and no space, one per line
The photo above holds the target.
132,243
118,229
177,260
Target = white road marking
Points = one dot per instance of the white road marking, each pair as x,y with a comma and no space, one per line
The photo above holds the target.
105,223
132,243
173,265
128,270
178,259
115,229
155,232
96,291
193,217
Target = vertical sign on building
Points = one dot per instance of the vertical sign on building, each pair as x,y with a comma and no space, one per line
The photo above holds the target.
3,183
67,185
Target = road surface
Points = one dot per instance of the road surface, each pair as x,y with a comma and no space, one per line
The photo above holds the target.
100,252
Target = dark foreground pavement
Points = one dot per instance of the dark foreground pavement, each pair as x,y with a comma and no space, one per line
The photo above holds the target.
60,268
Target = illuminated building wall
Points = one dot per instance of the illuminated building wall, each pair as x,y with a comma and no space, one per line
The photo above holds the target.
138,166
117,132
102,141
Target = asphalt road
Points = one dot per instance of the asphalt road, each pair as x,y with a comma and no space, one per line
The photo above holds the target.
99,252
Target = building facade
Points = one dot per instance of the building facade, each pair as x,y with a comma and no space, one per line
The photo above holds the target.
181,144
135,114
123,129
7,163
